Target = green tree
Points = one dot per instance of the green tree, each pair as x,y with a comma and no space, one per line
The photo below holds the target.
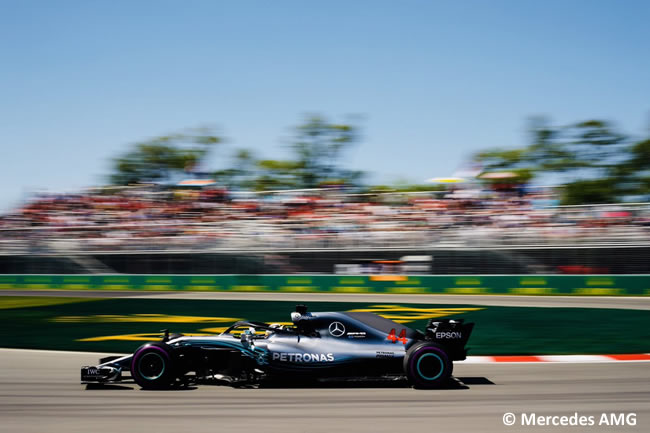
548,151
592,144
276,174
592,155
241,174
634,172
592,191
318,147
639,162
543,153
596,152
595,144
158,158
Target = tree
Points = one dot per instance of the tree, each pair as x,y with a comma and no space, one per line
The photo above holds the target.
547,150
318,147
241,174
276,174
634,172
158,158
543,152
595,144
640,158
596,152
592,191
591,154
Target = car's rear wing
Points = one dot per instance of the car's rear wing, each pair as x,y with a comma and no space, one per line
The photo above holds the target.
452,334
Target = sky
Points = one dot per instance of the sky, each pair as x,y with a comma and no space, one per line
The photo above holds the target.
431,81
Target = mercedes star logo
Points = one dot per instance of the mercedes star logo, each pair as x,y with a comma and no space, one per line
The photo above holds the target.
337,329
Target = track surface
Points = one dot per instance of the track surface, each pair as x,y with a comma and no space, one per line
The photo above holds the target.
632,303
39,392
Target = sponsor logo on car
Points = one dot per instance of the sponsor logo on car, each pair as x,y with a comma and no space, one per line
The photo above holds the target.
356,334
381,354
303,357
451,334
337,329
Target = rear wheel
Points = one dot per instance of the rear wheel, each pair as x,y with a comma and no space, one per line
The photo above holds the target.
427,365
152,366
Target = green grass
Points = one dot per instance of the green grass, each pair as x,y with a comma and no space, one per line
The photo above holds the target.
7,302
499,330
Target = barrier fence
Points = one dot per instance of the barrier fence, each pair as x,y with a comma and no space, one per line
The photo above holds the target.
590,285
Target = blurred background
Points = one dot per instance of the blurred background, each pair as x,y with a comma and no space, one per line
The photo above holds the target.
365,138
184,165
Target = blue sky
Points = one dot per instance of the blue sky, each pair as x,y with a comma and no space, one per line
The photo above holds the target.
434,81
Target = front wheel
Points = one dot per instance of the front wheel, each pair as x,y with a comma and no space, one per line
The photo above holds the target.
152,366
427,365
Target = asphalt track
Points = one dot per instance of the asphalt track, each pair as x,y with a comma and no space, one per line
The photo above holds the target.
617,302
40,392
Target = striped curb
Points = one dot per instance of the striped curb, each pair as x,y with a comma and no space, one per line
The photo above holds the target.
556,358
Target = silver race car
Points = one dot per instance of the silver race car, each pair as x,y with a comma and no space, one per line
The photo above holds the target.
326,345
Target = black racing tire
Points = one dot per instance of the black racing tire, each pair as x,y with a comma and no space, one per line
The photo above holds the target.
152,366
427,365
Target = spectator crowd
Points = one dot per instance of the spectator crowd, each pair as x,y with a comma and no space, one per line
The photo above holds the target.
150,219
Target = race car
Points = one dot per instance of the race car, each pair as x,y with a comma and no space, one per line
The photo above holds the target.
323,345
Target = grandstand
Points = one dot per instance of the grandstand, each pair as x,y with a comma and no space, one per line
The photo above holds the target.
140,230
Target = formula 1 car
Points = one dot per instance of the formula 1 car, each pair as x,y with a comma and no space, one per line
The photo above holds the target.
342,345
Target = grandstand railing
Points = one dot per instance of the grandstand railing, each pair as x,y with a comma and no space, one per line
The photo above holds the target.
208,239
